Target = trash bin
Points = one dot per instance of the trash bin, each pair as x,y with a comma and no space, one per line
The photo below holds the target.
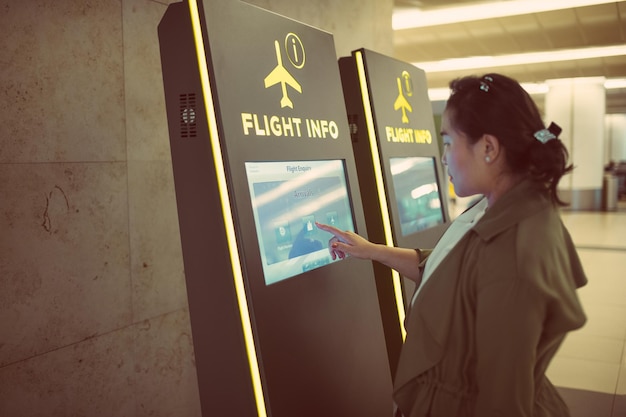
610,192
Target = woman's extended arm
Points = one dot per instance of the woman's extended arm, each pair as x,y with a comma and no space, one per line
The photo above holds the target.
405,261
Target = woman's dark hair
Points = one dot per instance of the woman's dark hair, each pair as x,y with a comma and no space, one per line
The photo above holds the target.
497,105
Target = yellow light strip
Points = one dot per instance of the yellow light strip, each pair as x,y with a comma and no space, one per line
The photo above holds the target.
227,214
378,174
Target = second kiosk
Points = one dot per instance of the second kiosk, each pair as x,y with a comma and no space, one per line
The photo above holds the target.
399,168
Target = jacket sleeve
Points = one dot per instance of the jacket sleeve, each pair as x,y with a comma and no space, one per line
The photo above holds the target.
422,255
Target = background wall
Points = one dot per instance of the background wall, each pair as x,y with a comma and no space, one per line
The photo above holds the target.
93,308
354,24
615,130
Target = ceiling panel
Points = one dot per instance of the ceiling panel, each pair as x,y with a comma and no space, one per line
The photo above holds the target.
581,27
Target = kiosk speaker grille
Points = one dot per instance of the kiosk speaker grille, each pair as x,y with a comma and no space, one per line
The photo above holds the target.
187,105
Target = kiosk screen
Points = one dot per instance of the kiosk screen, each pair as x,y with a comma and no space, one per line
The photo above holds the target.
417,194
288,197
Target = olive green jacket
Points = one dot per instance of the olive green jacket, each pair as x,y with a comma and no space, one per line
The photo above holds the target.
484,328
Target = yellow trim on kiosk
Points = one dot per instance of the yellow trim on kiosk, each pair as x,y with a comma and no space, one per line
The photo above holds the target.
226,211
382,198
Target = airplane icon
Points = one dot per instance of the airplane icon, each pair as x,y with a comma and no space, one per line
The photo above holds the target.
402,103
280,75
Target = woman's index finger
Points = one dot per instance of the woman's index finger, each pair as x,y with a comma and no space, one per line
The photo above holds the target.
329,228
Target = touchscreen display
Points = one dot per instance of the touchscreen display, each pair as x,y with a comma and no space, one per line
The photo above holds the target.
418,199
288,197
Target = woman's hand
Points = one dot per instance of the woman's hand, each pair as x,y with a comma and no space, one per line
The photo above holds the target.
344,243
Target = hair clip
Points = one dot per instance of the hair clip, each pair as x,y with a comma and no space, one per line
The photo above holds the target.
483,85
544,135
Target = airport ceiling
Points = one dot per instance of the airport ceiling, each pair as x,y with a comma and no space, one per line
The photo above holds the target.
572,28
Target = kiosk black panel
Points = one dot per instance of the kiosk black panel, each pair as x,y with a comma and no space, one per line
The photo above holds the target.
260,149
399,165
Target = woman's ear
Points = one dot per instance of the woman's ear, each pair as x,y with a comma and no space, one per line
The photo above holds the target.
491,147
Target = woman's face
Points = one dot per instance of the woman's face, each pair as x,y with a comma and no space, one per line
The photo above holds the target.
465,164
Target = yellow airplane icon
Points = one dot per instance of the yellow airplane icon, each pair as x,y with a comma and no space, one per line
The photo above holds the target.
402,103
280,75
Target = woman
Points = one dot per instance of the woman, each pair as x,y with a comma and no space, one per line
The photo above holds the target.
497,295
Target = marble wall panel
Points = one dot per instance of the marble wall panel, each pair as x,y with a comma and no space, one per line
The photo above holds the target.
156,255
621,384
65,257
146,122
93,378
21,90
146,369
62,83
165,380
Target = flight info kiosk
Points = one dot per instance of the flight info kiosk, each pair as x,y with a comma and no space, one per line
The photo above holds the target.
399,169
261,151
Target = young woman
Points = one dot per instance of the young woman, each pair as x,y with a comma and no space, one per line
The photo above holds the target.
497,295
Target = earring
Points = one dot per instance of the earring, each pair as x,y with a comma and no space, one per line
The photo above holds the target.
487,159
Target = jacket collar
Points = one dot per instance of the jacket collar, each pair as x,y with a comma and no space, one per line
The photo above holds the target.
521,201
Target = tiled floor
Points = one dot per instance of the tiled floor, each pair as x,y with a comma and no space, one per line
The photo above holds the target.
590,367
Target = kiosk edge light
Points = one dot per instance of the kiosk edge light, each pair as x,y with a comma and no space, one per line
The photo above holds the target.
260,151
400,171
